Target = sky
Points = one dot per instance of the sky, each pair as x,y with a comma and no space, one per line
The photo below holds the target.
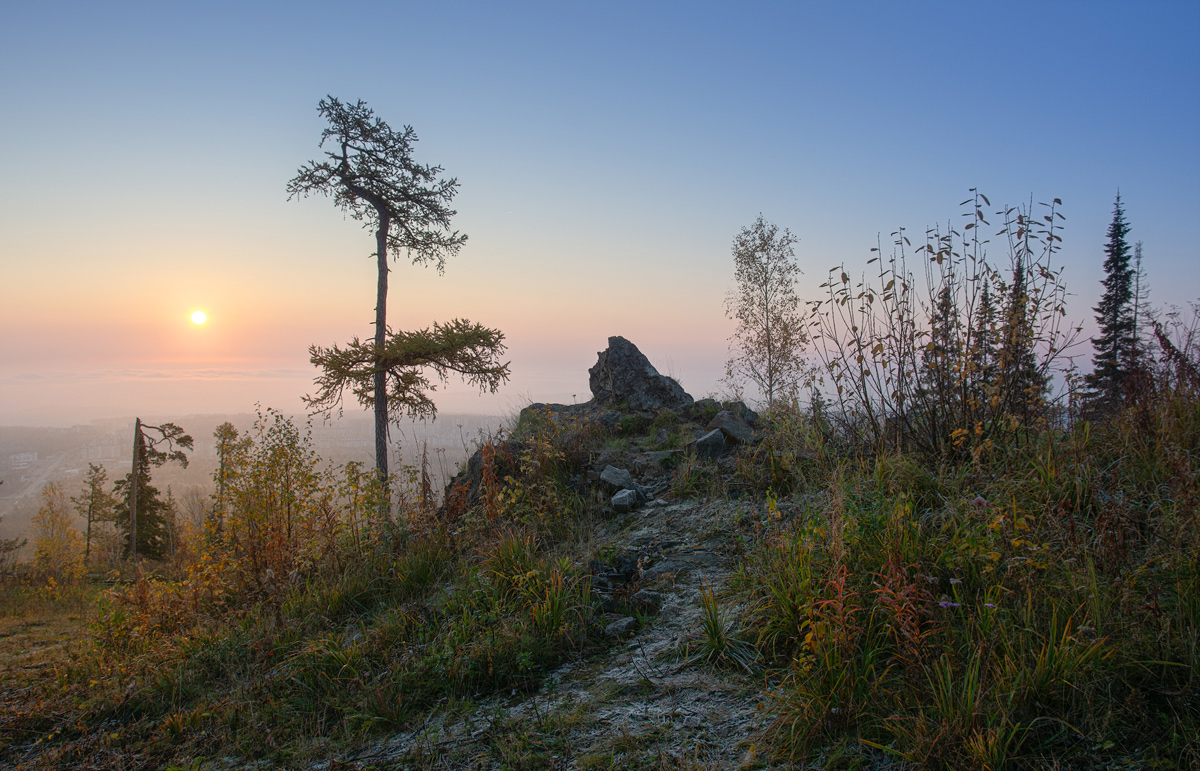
607,155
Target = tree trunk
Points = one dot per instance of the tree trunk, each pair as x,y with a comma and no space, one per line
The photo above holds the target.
133,480
87,548
381,406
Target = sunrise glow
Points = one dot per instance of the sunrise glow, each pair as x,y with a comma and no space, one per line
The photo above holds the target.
199,317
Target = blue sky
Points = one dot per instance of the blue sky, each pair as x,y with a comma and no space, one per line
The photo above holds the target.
607,155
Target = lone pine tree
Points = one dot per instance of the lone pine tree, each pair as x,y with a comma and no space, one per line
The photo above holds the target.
371,174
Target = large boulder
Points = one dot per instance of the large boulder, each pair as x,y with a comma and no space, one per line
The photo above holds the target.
623,375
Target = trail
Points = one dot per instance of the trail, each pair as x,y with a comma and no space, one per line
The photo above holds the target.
640,702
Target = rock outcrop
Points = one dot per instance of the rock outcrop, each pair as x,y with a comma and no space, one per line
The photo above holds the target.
623,375
633,403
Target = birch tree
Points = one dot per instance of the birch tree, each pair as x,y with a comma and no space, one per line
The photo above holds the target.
766,348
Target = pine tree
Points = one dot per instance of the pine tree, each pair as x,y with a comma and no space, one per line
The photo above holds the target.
1116,345
151,513
372,175
141,510
982,353
94,503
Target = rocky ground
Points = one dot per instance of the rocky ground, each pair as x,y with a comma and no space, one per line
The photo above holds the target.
646,701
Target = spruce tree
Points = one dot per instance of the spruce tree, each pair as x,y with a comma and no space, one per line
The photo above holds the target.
1115,346
940,372
151,520
94,503
1023,384
140,509
982,352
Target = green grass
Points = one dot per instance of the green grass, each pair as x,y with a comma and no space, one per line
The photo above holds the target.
368,642
1038,609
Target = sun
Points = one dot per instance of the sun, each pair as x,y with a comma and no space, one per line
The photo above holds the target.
199,317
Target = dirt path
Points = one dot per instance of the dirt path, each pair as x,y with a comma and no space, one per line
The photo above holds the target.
640,703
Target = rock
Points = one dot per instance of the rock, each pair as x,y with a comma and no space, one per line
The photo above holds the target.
626,501
703,410
621,627
661,458
462,492
711,445
623,375
565,414
664,567
619,478
740,408
648,600
629,567
733,426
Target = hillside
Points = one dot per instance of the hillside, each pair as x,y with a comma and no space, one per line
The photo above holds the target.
651,581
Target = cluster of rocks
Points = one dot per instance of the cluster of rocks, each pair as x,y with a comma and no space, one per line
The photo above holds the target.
617,587
629,394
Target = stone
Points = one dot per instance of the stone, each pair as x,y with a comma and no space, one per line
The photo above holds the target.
463,491
621,627
572,416
740,409
619,478
648,600
623,375
733,426
625,501
703,409
711,445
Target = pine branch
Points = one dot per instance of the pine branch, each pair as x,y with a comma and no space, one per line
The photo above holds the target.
409,361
